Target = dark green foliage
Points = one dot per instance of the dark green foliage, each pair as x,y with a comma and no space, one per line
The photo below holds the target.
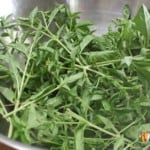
63,87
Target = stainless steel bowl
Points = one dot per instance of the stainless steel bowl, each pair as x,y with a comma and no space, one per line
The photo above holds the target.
99,11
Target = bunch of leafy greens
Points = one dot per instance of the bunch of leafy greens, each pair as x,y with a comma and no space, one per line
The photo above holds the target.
63,87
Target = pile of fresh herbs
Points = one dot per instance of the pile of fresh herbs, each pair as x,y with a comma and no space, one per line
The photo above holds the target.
64,87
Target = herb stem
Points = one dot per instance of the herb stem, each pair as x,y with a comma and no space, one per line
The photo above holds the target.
26,104
74,115
24,75
131,124
10,129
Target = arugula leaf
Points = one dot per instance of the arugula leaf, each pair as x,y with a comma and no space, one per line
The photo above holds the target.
142,22
7,93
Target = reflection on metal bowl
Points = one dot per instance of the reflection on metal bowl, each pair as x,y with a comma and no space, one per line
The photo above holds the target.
101,12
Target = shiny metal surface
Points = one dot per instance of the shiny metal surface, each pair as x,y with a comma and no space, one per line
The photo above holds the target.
13,145
101,12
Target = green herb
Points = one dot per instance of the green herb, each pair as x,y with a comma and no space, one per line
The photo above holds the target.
63,87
